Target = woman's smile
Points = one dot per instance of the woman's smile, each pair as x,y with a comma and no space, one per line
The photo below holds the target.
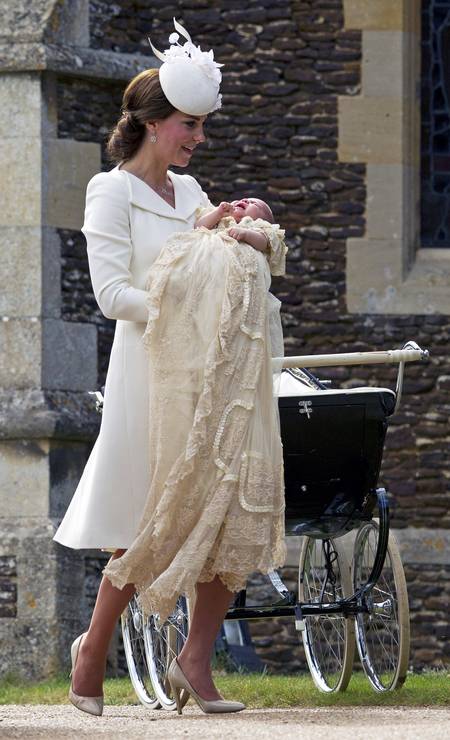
188,149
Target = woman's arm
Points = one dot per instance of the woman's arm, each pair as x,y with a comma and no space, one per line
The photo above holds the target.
107,231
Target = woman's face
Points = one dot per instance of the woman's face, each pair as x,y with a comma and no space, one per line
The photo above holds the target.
178,135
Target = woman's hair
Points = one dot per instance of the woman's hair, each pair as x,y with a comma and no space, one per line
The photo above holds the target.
143,101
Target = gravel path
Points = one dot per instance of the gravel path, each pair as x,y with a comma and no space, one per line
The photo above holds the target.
130,722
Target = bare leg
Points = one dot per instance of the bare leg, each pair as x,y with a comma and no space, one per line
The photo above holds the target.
88,677
211,605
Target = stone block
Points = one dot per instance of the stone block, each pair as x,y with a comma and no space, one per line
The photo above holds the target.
372,260
382,15
429,281
70,166
20,194
20,356
23,22
382,66
370,130
386,201
431,270
374,273
20,271
20,103
24,478
69,23
69,358
30,272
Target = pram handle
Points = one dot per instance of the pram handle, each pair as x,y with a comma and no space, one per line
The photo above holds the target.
406,354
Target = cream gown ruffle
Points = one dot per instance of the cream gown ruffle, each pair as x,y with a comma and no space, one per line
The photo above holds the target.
216,499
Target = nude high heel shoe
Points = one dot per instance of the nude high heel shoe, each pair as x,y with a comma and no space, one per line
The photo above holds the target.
178,681
89,704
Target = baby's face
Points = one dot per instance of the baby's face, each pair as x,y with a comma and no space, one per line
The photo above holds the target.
253,207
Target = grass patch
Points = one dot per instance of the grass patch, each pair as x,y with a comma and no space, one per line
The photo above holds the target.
255,690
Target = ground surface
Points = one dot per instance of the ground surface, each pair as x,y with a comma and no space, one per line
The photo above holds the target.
332,723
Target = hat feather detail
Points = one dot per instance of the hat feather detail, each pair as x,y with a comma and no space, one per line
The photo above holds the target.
182,31
159,55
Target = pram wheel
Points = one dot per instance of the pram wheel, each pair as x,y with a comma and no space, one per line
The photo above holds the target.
134,626
328,639
382,632
163,642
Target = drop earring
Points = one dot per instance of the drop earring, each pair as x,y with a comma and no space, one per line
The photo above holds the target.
153,139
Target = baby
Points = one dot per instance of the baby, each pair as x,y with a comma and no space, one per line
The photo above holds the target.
250,220
255,214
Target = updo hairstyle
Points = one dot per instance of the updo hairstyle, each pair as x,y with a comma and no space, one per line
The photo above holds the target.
143,101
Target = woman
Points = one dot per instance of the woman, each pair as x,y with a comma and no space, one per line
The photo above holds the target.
130,213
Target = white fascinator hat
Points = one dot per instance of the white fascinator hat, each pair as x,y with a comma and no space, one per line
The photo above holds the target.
189,77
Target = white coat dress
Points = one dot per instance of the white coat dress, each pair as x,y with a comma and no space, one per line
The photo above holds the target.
126,225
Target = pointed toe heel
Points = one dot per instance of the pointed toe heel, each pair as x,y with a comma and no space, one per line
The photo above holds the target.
178,681
90,704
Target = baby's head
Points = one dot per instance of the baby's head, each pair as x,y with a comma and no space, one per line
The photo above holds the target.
253,207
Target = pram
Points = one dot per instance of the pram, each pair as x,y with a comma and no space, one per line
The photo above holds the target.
333,445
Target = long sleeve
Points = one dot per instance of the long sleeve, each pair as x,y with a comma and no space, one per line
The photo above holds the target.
107,231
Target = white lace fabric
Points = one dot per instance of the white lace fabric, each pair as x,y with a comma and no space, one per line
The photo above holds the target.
216,499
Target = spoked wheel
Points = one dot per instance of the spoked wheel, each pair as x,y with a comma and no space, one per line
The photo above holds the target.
328,639
382,632
133,630
163,642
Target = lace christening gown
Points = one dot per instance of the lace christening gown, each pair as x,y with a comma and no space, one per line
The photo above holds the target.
216,500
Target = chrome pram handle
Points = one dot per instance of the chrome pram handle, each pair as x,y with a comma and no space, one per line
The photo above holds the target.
411,352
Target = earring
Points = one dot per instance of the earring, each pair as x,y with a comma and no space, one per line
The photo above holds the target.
153,139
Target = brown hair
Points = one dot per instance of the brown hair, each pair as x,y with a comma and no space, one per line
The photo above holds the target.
143,101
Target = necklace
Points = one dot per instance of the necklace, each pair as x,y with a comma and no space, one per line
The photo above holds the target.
161,189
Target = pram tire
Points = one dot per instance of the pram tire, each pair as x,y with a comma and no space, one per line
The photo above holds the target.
133,628
382,632
328,640
163,643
